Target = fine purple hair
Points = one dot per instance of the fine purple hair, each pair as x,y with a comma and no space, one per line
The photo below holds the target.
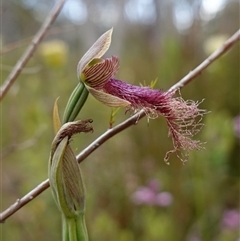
183,117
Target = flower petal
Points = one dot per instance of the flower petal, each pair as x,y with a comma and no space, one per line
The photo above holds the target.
107,99
97,50
97,75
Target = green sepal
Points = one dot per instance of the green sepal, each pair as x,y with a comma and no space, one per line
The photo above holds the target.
56,177
66,180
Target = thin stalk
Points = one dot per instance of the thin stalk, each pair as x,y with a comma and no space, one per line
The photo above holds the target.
74,229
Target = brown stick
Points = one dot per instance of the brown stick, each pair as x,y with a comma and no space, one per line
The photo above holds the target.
215,55
31,48
122,126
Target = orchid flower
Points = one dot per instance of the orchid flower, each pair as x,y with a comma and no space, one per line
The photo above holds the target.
183,117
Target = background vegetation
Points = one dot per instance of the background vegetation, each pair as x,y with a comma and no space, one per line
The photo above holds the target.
152,41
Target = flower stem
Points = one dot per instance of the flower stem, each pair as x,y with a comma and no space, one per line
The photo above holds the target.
74,229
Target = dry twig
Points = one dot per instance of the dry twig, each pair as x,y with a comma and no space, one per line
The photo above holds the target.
16,71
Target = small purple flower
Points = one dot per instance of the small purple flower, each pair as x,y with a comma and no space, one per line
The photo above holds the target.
183,117
144,195
154,185
231,219
164,199
150,195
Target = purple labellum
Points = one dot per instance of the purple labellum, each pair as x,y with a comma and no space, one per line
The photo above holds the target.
183,117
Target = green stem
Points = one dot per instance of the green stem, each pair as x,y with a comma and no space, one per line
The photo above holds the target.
74,229
75,102
81,228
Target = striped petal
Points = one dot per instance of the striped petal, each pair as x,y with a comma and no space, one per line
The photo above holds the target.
97,50
98,74
107,99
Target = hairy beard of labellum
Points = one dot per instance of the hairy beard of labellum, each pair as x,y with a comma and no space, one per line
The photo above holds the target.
184,122
183,117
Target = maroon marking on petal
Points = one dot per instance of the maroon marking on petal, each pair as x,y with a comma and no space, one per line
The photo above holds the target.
97,74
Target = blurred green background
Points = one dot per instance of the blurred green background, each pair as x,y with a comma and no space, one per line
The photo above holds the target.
153,39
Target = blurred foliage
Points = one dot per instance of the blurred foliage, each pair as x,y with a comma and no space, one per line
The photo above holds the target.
202,189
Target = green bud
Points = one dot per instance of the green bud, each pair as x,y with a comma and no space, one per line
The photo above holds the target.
64,172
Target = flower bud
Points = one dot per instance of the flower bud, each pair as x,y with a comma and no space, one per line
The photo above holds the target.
64,172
